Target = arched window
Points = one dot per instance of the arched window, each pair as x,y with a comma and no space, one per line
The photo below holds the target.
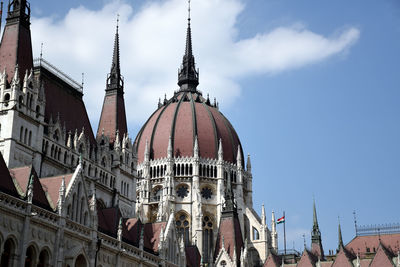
30,257
44,259
25,136
8,253
30,138
20,101
182,225
80,261
208,226
157,191
21,134
256,235
37,111
6,99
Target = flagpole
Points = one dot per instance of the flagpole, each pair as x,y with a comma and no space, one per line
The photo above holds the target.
284,231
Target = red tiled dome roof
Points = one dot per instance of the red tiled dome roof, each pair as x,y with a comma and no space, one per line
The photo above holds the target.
184,116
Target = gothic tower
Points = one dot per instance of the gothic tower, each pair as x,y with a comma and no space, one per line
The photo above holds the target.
113,118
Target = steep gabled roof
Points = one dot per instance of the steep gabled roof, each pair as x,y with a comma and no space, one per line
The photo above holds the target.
272,260
343,258
307,259
51,185
382,258
229,230
6,181
22,175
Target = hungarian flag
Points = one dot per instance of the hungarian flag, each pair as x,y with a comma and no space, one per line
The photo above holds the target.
281,220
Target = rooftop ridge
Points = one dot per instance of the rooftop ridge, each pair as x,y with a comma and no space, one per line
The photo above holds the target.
41,62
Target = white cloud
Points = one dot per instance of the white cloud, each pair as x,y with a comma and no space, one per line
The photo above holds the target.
152,46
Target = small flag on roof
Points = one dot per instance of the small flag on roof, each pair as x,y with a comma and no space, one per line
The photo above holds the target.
281,220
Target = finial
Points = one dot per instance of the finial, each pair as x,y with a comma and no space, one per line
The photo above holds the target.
117,22
83,79
304,240
189,11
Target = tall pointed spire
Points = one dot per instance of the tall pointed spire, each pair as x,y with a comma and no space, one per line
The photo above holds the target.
188,77
113,115
340,237
316,242
115,79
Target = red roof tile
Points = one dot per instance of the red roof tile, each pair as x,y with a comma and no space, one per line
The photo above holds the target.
361,244
382,258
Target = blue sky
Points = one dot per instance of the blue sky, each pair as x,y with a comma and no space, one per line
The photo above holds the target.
327,126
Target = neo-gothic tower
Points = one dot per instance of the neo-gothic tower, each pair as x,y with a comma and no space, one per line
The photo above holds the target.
113,118
22,96
38,119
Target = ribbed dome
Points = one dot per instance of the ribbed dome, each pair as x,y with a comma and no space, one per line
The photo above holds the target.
184,116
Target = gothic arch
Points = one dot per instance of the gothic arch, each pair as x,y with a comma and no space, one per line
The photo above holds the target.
81,261
8,251
182,223
44,257
31,255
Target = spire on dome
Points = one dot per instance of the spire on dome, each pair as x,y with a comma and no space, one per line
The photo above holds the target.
188,77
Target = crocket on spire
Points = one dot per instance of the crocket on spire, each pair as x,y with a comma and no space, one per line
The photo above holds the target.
188,77
113,116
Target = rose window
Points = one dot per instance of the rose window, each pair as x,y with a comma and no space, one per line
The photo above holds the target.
206,192
182,191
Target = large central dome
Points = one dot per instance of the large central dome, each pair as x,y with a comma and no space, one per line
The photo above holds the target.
183,117
187,115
